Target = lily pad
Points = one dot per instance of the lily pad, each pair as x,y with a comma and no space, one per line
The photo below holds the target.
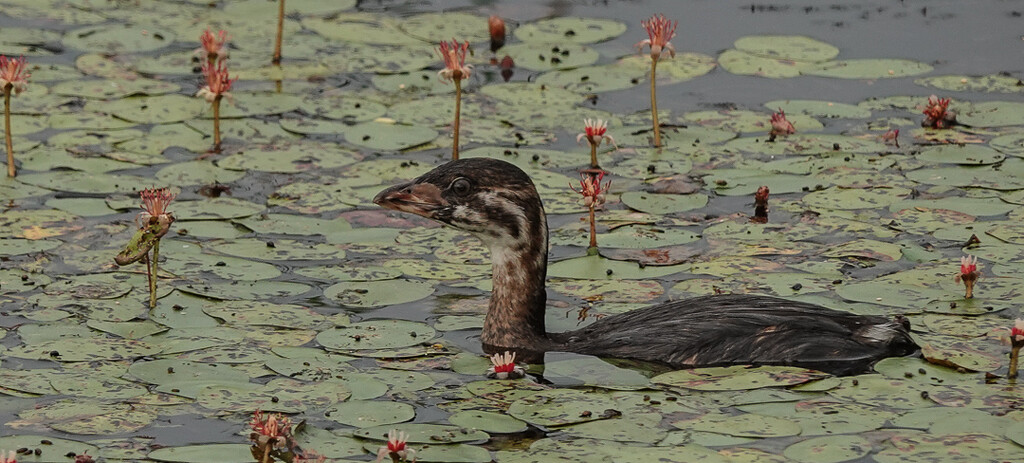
570,30
376,334
365,294
737,378
790,47
869,69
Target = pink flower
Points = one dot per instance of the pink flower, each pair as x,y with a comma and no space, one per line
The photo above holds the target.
968,274
937,114
84,458
396,448
781,125
592,189
213,45
454,56
154,205
659,31
274,429
9,458
594,131
12,72
218,83
504,367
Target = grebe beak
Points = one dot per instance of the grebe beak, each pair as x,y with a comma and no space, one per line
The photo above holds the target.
422,199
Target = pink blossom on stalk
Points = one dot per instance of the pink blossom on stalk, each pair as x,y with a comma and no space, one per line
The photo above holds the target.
84,458
781,125
454,56
659,31
154,205
503,366
396,448
218,82
9,458
594,130
213,45
968,274
1017,332
12,72
592,189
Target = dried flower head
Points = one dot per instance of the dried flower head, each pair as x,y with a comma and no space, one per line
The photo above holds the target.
937,114
218,82
594,131
454,56
592,189
213,45
781,125
659,31
396,448
503,366
12,72
84,458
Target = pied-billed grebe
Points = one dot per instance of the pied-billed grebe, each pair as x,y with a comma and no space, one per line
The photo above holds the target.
498,203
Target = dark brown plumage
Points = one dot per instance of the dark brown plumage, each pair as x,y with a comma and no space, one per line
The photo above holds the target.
498,203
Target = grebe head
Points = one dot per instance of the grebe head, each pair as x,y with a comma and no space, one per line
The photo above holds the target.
490,198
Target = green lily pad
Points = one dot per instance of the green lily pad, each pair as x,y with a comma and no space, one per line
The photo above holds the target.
203,453
365,294
745,425
737,378
655,203
434,27
569,30
922,448
82,416
597,268
855,198
868,69
829,449
56,449
559,407
160,109
546,57
422,433
993,114
489,422
369,413
376,334
956,154
747,64
993,83
789,47
118,38
566,369
382,136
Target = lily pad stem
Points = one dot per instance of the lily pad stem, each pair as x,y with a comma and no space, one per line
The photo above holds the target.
654,107
280,32
152,271
11,170
216,123
458,112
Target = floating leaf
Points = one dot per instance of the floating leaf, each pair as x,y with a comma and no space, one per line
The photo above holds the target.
365,294
118,39
376,334
737,378
790,47
829,449
868,69
569,30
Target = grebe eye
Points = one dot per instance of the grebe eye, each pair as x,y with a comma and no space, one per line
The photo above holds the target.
460,186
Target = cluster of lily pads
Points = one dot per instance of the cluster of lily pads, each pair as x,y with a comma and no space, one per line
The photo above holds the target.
283,289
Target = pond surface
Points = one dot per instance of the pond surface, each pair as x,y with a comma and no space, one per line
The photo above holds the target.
283,288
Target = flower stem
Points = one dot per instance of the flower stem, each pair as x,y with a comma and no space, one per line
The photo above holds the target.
593,156
266,448
1014,356
458,113
654,107
11,170
216,124
152,271
280,32
593,228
